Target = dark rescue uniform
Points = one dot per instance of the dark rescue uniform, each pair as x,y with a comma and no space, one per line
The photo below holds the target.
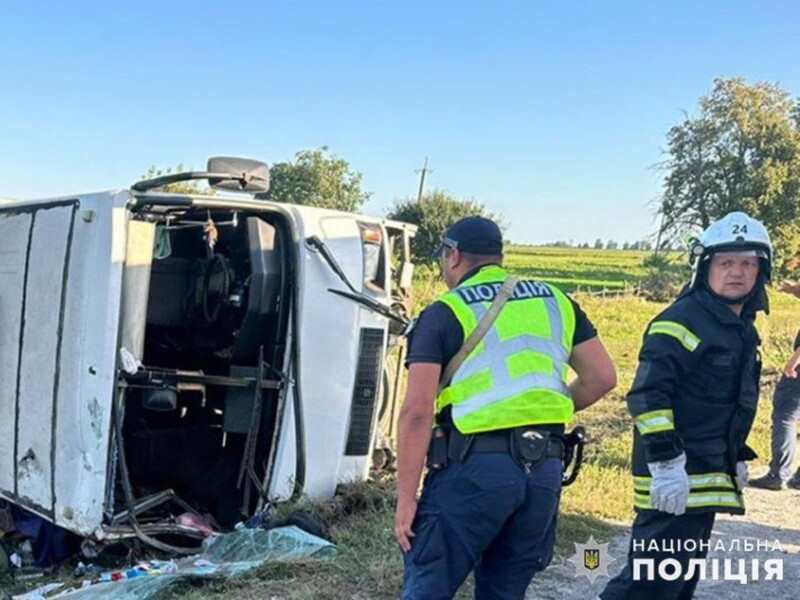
695,391
708,379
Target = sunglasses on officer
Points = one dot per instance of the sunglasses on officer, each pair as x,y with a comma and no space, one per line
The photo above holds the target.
446,243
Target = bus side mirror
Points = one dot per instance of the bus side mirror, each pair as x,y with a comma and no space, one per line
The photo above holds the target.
246,175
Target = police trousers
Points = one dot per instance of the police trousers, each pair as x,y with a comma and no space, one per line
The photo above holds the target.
653,528
488,515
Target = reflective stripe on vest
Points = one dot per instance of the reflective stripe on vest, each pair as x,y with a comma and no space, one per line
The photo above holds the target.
517,374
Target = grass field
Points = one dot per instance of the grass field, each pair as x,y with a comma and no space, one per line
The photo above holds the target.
370,565
576,269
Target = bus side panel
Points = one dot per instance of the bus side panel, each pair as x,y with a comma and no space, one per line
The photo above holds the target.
87,369
14,233
41,347
329,344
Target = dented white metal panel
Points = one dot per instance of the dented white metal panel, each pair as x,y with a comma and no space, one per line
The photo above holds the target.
61,407
41,345
88,364
14,234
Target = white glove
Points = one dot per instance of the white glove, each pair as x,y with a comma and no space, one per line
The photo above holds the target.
742,474
669,490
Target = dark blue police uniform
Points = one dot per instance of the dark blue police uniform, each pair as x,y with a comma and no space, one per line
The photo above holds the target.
483,512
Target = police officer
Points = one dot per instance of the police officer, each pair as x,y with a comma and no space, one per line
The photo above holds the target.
493,507
693,401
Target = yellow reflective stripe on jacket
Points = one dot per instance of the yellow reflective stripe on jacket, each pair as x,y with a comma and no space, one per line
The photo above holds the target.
697,482
689,340
697,500
654,421
711,480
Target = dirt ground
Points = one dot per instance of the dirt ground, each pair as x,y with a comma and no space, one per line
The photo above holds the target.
770,516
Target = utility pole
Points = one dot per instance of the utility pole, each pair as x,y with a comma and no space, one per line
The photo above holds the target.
422,173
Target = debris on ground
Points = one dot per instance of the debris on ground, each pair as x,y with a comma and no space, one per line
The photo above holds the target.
197,522
223,557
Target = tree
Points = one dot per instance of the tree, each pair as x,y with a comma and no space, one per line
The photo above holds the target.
612,245
192,187
316,179
741,152
598,244
626,245
437,211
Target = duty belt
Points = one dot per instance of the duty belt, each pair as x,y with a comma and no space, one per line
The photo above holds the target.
527,445
495,442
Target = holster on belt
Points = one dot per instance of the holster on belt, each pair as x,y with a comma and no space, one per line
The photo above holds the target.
574,442
437,450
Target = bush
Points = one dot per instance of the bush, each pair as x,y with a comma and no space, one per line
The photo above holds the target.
664,279
437,211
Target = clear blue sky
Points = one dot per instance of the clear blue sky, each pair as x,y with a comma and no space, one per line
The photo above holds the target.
550,113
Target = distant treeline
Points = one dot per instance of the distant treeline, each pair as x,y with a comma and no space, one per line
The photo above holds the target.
603,245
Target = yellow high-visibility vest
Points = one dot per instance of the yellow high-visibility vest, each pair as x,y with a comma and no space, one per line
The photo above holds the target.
517,374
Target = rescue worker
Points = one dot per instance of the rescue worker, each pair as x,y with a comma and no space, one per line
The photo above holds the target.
693,401
493,505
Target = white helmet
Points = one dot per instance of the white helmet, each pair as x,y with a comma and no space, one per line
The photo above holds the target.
734,232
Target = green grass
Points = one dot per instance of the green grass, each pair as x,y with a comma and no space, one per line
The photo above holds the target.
571,269
574,269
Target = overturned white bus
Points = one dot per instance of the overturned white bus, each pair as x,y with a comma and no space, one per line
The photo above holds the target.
163,352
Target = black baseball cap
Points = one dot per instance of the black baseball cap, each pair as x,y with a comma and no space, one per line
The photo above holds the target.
474,235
